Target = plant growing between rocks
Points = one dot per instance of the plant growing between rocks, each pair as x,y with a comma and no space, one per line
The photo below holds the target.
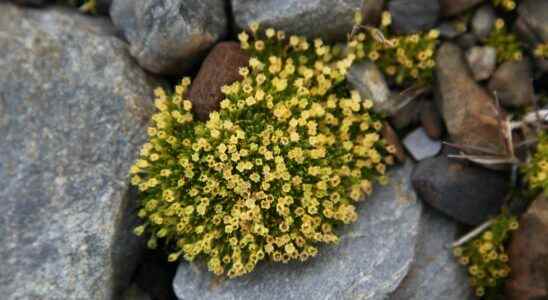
273,172
505,43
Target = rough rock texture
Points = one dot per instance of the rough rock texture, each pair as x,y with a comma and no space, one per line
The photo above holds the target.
409,16
431,120
455,7
469,112
73,112
528,252
371,11
483,21
331,20
435,274
370,261
467,193
420,145
366,77
31,2
533,16
482,61
169,36
392,138
219,68
513,83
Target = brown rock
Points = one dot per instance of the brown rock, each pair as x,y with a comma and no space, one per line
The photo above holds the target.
392,138
407,115
528,253
371,11
455,7
219,68
513,83
470,113
431,120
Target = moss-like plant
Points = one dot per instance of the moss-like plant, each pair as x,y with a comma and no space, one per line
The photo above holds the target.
486,259
505,43
507,5
404,58
271,174
536,170
541,51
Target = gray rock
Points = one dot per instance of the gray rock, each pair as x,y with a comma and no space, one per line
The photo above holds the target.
31,2
469,111
469,194
370,261
482,61
533,16
467,40
409,16
455,7
513,83
366,77
448,30
435,274
420,145
73,111
483,21
169,37
331,20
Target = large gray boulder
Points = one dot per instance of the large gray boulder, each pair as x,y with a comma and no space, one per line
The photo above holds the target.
329,19
372,258
435,273
73,111
169,37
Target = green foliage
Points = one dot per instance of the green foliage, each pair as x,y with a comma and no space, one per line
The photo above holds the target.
507,5
505,43
536,170
404,58
271,174
541,51
86,6
486,259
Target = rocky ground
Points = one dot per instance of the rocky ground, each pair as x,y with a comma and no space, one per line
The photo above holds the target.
76,96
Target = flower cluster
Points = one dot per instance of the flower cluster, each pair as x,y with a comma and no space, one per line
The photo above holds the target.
272,173
486,258
403,58
536,170
541,50
505,43
86,6
507,5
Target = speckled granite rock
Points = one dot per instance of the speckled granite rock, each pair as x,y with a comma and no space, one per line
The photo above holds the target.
409,16
73,111
328,19
170,36
435,274
370,261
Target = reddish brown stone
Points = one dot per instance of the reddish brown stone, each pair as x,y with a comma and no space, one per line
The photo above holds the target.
431,120
528,254
392,138
219,68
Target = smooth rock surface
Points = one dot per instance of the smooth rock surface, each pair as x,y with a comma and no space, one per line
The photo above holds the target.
169,37
435,274
528,252
431,120
483,20
409,16
533,14
467,193
470,113
369,81
73,111
513,83
331,20
372,258
482,61
219,68
420,145
455,7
